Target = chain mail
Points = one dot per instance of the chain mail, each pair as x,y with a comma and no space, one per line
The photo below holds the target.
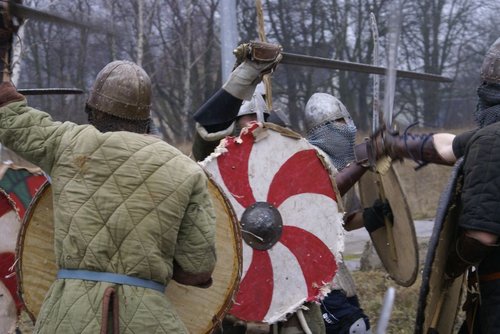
488,106
107,123
335,139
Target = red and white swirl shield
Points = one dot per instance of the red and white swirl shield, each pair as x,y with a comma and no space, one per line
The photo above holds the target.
272,165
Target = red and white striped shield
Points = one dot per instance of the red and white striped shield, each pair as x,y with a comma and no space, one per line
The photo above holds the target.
19,181
284,196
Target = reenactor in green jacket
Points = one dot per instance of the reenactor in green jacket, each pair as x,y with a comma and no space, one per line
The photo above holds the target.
131,212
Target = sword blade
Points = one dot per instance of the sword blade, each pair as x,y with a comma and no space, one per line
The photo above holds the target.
392,55
49,91
25,12
319,62
376,78
385,314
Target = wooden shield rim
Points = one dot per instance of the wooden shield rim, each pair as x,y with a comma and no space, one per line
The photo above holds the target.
217,318
429,299
379,237
231,290
20,242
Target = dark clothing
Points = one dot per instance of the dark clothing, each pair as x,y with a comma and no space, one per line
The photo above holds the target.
480,210
202,148
340,312
480,200
460,142
489,311
214,117
219,112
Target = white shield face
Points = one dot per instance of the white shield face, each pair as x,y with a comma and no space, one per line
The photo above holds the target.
9,229
7,311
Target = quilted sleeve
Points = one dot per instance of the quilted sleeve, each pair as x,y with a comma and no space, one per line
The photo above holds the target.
460,142
195,249
31,133
480,200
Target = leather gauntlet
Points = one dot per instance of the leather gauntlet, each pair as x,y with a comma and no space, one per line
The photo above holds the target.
466,252
253,61
417,147
259,53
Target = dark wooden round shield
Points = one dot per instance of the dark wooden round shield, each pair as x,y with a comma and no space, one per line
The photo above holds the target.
201,310
396,244
439,301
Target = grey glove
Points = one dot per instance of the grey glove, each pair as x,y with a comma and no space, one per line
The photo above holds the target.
255,60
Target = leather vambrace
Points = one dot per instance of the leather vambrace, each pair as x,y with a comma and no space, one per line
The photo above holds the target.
348,176
417,147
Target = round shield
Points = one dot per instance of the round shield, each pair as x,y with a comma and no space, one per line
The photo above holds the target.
284,196
17,187
9,303
201,310
439,301
396,243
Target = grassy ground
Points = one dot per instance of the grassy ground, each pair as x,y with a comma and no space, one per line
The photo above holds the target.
371,288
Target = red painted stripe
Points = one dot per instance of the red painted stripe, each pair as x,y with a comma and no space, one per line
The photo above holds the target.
256,289
5,205
233,167
315,258
302,173
9,279
34,182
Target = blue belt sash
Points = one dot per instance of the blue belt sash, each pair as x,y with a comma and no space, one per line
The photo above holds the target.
88,275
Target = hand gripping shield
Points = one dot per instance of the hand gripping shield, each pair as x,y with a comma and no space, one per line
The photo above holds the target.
201,310
439,300
286,201
396,243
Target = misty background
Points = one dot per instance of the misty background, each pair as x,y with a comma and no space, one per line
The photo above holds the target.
178,43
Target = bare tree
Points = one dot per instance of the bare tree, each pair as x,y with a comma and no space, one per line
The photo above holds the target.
331,29
437,38
176,42
187,70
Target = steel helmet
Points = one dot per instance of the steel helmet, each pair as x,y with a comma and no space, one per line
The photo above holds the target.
122,89
323,107
490,70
